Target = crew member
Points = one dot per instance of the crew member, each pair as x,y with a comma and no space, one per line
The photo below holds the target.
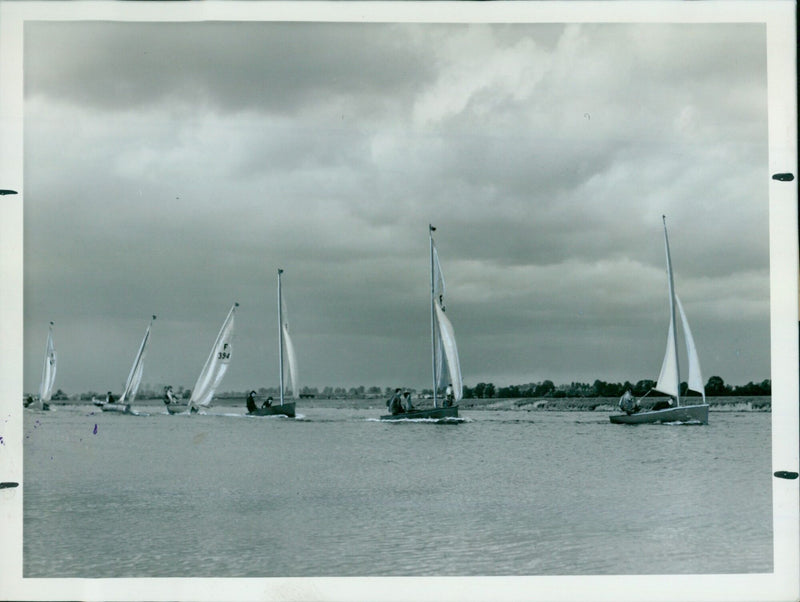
251,402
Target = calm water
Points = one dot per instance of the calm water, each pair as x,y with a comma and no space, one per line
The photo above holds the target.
338,493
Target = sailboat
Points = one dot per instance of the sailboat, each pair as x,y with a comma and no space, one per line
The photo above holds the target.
214,369
48,376
123,404
445,365
286,408
669,380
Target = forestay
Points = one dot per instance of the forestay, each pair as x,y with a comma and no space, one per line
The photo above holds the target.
216,365
135,375
49,369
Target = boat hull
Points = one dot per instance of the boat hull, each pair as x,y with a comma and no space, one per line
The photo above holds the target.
429,413
179,408
38,404
287,409
694,414
122,408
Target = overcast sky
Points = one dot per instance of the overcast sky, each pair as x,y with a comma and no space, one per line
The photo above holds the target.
172,168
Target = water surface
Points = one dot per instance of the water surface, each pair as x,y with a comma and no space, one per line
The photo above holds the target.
338,493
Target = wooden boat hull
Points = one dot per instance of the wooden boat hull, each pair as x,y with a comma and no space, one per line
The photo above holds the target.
122,408
694,414
428,413
287,409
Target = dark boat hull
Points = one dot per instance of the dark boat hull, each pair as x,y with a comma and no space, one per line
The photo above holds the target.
122,408
694,414
180,408
287,409
429,413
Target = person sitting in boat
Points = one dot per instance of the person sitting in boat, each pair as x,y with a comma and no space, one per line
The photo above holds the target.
628,403
251,402
28,401
109,397
169,396
267,403
448,395
395,403
407,401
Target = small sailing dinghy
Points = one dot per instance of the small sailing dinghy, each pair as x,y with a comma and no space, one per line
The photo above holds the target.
48,376
123,404
213,371
444,353
285,408
669,380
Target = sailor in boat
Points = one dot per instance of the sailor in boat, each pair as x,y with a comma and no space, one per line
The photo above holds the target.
628,403
169,396
28,401
251,402
109,397
407,401
448,395
395,403
267,403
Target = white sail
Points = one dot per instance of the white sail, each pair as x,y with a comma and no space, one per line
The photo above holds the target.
49,369
216,364
291,360
135,375
447,339
668,378
695,380
438,278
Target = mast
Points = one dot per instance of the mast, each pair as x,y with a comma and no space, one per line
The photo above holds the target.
672,313
431,229
280,331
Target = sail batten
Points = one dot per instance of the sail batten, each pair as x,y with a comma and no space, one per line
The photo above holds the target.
216,365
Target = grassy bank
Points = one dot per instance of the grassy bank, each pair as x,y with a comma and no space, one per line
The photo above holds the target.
609,404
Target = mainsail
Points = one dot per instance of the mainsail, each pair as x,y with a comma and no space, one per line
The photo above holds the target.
216,364
135,375
290,369
49,369
444,349
669,378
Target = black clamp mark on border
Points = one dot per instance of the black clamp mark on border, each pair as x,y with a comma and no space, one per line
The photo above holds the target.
783,177
8,484
785,474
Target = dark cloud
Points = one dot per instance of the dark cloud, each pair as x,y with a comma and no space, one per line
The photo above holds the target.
171,168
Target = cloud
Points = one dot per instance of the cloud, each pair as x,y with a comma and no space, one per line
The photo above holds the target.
172,168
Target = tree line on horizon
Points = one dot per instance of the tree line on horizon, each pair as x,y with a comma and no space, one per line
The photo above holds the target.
715,387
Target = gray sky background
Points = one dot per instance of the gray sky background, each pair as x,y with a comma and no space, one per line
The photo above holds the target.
171,168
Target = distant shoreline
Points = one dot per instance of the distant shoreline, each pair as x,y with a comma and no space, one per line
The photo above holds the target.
525,404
